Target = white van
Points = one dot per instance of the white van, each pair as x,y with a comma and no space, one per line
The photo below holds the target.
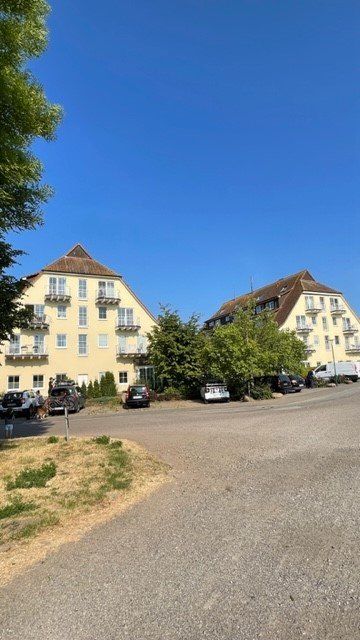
350,370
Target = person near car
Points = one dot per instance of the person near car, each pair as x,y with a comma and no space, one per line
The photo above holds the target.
51,385
310,379
39,401
9,423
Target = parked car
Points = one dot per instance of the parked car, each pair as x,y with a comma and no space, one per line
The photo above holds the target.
279,383
350,370
214,392
137,395
22,402
297,381
66,394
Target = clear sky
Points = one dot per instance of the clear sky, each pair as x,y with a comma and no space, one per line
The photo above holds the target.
204,142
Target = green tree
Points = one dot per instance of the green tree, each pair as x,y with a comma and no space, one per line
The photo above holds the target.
90,390
253,345
25,115
175,350
107,385
83,390
96,392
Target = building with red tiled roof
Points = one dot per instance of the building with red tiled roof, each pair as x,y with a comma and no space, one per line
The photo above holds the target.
318,313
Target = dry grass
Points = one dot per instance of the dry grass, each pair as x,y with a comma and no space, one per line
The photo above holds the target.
93,482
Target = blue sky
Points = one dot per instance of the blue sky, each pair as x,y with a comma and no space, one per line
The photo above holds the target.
204,142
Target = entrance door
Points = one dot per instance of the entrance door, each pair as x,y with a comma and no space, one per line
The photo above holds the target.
82,377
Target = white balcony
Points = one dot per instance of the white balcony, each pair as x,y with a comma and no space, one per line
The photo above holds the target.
27,352
304,328
337,309
57,294
349,328
126,324
130,350
310,348
107,296
353,348
39,322
314,308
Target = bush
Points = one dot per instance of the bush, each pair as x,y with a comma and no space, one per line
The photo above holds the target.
107,385
97,392
261,392
102,440
53,439
15,507
83,390
170,394
36,477
90,390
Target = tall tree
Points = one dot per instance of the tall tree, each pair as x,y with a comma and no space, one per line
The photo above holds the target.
25,115
174,349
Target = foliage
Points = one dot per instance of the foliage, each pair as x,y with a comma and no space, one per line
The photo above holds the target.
102,439
53,439
36,477
83,390
16,506
253,345
25,115
175,349
90,390
107,385
96,392
171,393
261,392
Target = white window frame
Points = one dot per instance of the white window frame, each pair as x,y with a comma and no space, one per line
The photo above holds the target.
15,344
327,343
103,335
61,346
34,384
124,374
14,385
322,303
82,288
85,342
103,309
85,316
106,288
61,306
57,285
325,324
126,316
316,341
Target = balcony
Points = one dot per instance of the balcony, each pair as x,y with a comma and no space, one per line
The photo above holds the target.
107,296
126,324
130,351
39,322
310,348
349,328
353,348
337,309
315,308
304,328
29,352
57,294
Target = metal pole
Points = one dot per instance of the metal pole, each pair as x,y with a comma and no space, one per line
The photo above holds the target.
334,362
66,413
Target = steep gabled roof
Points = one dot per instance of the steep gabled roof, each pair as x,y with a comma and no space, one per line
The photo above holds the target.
79,261
287,290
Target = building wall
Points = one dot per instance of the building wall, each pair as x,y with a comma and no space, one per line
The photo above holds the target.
322,355
67,360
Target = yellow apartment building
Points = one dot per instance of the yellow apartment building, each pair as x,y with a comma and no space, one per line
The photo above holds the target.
86,320
320,315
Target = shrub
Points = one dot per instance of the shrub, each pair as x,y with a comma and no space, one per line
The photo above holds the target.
171,393
15,507
97,392
102,440
90,390
83,390
53,439
261,392
107,385
36,477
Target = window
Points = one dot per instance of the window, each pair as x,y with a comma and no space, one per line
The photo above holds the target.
39,343
106,288
123,377
61,311
15,344
82,289
337,340
126,316
13,382
146,375
39,311
82,344
309,302
101,375
103,340
324,323
102,313
38,382
83,320
61,340
322,303
301,321
60,377
57,285
314,320
316,341
334,321
327,343
82,378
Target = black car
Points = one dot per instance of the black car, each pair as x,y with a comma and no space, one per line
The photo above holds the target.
279,383
297,381
137,395
66,395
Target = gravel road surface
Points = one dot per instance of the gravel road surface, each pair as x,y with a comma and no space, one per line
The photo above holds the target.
256,536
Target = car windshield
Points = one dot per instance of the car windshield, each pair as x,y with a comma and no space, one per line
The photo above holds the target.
13,395
135,390
60,391
284,378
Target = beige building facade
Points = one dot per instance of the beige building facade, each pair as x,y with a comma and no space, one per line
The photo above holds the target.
86,321
320,315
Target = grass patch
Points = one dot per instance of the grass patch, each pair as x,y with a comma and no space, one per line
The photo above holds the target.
102,440
15,507
53,439
36,477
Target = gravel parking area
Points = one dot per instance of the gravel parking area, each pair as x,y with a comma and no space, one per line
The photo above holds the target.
257,535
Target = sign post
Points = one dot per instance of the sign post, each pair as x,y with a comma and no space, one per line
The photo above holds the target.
66,412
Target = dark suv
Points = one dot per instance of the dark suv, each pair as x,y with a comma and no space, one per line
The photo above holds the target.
137,395
279,383
66,395
19,402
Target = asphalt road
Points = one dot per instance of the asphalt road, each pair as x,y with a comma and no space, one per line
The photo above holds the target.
257,535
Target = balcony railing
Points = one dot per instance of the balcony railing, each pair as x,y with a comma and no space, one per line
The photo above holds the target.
350,328
337,309
131,350
353,348
127,324
39,322
310,348
304,328
313,308
26,352
57,294
107,296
